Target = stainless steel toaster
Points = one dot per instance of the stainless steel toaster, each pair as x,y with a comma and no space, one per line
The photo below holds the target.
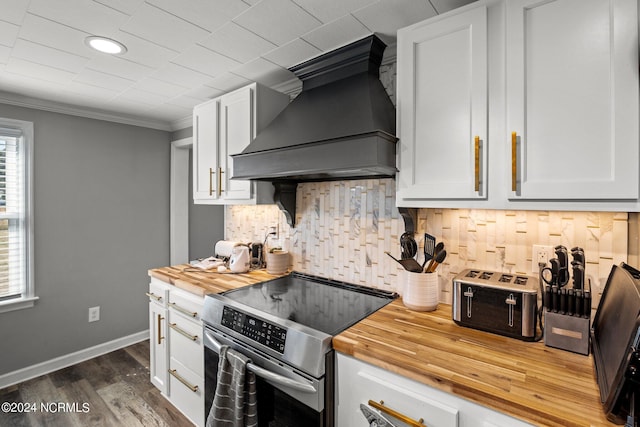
501,303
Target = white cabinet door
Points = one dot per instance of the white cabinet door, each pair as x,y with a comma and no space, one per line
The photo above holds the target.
158,346
572,99
237,130
205,152
442,108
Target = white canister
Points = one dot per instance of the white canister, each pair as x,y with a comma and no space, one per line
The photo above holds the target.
240,260
277,262
420,291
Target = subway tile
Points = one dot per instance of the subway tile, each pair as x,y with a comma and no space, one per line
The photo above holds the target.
344,228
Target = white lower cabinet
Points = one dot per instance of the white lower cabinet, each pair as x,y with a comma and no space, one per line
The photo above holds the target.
358,382
182,368
158,357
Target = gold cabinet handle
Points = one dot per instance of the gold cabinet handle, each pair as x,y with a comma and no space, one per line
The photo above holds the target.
514,161
193,388
154,296
220,190
477,163
211,181
181,331
160,337
409,421
183,310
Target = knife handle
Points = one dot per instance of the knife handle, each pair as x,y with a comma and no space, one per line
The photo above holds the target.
547,297
571,302
563,301
514,161
579,302
554,298
586,312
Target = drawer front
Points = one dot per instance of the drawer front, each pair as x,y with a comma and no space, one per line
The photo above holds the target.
186,391
185,343
185,303
158,292
364,385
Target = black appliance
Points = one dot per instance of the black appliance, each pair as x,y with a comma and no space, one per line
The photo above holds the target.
501,303
615,340
285,327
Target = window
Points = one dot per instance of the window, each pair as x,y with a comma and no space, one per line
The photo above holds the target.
16,220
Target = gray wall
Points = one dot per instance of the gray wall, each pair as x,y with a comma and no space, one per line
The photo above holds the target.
206,222
206,225
101,221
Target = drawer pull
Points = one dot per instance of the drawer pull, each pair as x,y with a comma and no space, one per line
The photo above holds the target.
154,296
181,331
183,310
409,421
193,388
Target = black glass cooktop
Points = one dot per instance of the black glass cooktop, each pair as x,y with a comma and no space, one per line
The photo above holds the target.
326,305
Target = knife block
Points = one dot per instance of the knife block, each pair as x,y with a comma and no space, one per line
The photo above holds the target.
566,332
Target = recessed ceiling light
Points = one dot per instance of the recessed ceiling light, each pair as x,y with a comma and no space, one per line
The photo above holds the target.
105,45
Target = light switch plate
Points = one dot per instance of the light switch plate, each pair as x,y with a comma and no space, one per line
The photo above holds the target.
94,314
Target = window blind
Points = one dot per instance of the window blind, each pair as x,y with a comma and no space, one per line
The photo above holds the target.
12,215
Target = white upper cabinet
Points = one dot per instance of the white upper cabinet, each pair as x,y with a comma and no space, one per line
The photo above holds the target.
237,130
225,126
549,88
572,99
442,108
205,150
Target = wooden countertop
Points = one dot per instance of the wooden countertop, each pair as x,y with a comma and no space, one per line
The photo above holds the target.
201,282
538,384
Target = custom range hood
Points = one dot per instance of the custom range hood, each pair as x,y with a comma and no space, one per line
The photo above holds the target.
341,126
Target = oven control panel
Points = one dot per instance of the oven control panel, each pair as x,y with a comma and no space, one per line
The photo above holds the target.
258,330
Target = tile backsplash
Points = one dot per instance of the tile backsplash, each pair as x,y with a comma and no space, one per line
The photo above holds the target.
343,229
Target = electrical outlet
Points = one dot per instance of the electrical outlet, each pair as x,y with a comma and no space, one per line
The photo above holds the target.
94,314
275,232
540,254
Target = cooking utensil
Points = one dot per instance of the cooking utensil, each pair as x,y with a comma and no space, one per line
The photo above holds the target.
408,264
408,245
429,248
437,260
439,248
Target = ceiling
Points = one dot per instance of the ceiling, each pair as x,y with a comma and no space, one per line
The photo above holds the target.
180,52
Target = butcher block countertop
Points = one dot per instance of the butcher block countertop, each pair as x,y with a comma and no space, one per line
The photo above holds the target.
202,282
527,380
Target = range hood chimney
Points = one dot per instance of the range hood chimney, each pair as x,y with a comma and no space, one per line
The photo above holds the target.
341,126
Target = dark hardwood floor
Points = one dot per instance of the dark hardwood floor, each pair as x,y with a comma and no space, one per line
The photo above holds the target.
109,390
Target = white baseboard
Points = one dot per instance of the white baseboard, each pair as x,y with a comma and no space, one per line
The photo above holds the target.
52,365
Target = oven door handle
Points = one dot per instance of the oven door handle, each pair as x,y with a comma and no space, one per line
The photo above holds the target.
213,344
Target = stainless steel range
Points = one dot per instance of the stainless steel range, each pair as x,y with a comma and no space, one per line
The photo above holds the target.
285,326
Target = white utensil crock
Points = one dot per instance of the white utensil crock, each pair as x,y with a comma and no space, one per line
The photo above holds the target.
420,291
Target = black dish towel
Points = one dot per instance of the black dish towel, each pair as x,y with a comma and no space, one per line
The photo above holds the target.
234,403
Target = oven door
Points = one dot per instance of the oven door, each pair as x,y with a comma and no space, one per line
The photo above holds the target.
286,398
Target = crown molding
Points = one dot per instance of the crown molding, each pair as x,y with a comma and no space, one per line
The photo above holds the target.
73,110
183,123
